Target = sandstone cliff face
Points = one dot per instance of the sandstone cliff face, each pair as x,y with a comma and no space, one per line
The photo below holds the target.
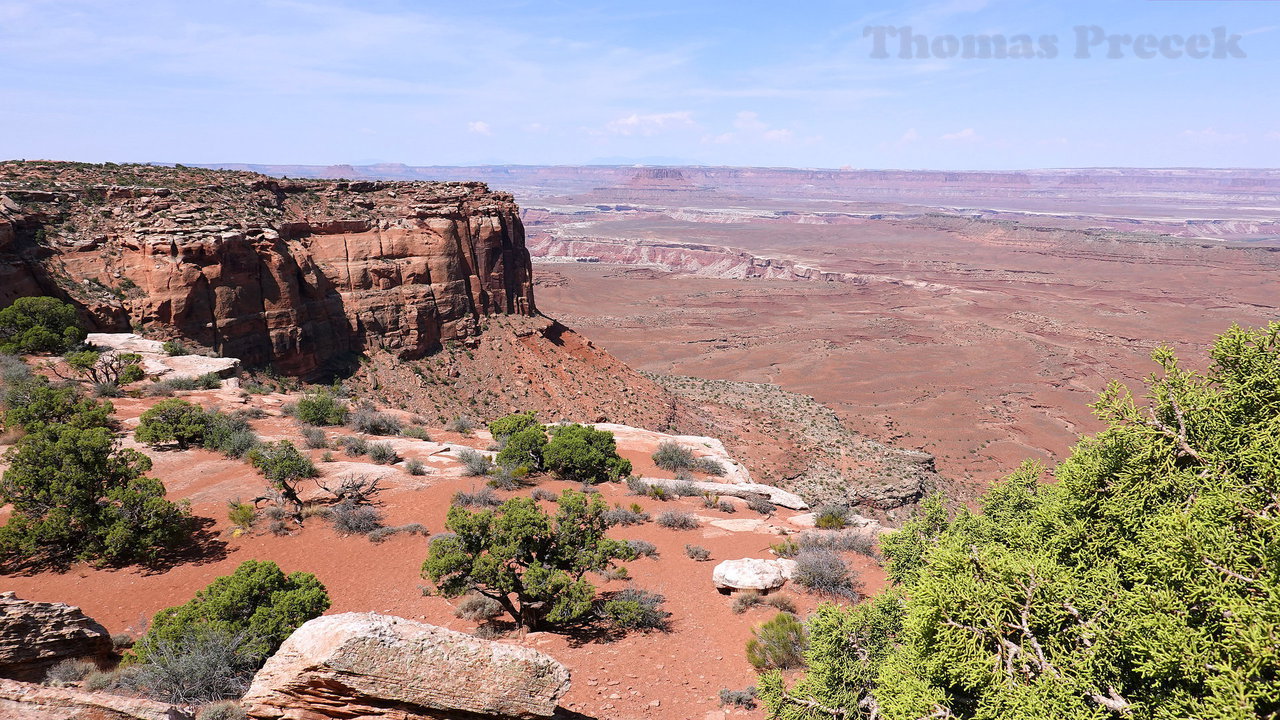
302,276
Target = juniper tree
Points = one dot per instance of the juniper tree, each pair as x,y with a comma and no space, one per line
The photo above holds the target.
532,564
1144,583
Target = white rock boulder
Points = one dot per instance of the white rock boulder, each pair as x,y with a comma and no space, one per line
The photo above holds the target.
371,666
752,574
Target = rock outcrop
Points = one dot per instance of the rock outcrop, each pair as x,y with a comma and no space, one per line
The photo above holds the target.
752,574
26,701
35,636
365,666
299,275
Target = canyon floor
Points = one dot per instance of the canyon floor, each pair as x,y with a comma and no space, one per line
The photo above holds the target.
981,340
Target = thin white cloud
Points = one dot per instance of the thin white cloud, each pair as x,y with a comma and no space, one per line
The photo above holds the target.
479,127
965,135
650,124
1211,135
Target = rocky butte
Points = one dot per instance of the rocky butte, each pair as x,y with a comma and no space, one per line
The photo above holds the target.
299,275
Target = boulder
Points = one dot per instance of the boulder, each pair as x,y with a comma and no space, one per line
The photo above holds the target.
26,701
366,666
752,574
35,636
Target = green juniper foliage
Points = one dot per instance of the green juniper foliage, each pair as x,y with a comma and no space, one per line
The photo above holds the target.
505,427
39,325
1142,584
524,448
76,494
532,564
584,454
257,602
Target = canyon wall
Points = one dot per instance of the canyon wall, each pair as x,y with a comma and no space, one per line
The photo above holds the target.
300,275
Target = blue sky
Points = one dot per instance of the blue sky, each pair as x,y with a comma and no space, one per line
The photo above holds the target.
560,82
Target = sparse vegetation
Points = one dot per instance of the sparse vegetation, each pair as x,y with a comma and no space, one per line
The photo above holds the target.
382,533
485,497
745,698
417,433
383,454
831,517
315,438
475,463
547,495
697,552
69,671
477,608
676,520
174,348
372,422
414,466
354,445
462,424
348,518
642,548
624,516
761,504
824,572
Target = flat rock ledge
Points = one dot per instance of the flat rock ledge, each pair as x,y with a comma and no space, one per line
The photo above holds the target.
366,666
752,574
27,701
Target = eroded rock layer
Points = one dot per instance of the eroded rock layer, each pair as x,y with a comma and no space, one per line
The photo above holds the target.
302,276
35,636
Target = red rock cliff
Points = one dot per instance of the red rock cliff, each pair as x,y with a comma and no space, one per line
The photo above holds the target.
302,275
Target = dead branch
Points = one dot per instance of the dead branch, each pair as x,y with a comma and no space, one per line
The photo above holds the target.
356,489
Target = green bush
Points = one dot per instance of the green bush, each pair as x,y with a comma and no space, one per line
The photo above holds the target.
777,644
510,425
523,448
39,325
415,466
172,421
320,409
174,348
584,454
257,602
831,517
635,609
